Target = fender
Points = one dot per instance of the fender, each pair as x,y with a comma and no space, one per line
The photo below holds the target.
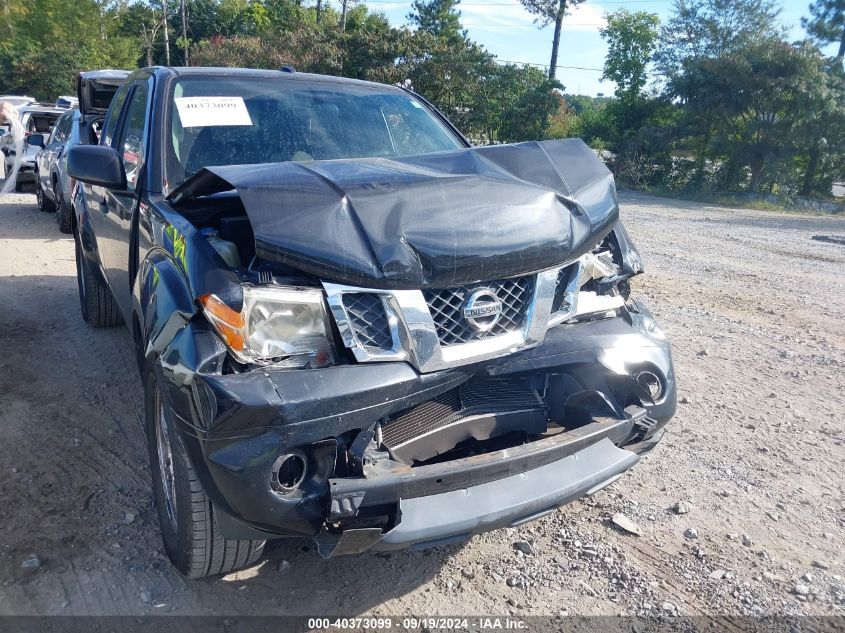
164,301
171,276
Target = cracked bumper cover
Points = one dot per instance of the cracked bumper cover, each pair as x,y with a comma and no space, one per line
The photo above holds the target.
450,502
234,426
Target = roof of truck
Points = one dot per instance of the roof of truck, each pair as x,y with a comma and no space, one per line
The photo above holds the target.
289,74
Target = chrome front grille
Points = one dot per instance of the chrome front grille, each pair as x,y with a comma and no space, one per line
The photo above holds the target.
369,319
429,329
446,307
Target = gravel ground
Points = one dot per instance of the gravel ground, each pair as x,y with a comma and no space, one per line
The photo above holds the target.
741,506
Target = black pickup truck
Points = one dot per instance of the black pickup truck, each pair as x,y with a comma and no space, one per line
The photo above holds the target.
353,326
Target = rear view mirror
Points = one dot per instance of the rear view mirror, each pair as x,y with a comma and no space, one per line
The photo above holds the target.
36,140
96,165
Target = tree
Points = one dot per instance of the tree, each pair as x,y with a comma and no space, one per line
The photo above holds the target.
551,12
439,18
712,28
759,98
631,39
52,40
820,134
827,23
535,101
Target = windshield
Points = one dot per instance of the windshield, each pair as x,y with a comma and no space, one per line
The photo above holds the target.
238,121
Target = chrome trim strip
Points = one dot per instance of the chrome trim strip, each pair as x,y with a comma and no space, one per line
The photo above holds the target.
334,295
588,267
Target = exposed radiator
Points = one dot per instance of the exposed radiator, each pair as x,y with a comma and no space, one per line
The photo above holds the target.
477,409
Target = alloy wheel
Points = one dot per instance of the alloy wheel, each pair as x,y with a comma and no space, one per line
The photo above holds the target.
165,459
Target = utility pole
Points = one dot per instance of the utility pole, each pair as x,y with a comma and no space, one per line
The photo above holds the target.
343,16
185,33
319,9
164,29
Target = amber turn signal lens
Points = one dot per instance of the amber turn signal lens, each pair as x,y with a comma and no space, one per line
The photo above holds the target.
228,323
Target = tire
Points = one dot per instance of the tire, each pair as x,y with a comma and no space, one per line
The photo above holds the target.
98,305
45,205
63,211
189,530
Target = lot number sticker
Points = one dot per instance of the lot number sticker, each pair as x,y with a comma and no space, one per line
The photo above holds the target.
202,111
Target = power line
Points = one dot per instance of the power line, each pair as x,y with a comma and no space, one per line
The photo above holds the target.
650,73
510,61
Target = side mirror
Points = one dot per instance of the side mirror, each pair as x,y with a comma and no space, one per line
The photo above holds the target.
97,165
36,140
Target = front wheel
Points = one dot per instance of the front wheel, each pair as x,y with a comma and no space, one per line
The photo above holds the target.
44,204
63,211
189,529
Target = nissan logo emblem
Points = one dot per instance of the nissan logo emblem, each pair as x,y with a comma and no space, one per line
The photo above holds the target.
482,309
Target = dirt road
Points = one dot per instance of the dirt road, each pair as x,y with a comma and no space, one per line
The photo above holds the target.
756,311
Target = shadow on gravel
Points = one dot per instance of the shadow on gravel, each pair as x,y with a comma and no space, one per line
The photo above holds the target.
75,491
23,220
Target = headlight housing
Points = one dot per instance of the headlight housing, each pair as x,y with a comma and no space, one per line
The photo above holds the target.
282,325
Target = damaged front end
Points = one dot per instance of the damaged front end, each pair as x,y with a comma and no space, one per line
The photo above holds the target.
382,377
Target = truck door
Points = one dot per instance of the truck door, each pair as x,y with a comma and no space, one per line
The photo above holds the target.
114,222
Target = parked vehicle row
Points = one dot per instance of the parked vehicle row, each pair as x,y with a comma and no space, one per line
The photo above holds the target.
78,125
49,130
351,325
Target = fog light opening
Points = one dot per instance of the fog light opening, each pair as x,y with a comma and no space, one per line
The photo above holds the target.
651,383
288,472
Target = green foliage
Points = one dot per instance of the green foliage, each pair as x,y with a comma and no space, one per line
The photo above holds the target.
702,29
51,40
758,101
631,39
741,109
533,106
548,11
827,23
439,18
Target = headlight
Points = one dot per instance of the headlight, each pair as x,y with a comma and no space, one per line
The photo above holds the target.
283,325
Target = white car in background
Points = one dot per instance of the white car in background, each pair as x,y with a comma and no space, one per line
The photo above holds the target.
17,100
35,119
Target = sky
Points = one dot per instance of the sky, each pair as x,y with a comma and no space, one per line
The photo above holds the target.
508,31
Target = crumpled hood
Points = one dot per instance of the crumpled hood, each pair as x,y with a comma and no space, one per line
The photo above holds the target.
425,221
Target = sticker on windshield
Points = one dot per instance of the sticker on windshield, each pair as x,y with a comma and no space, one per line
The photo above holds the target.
202,111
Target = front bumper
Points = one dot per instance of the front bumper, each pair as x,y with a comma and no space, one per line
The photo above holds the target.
235,426
454,516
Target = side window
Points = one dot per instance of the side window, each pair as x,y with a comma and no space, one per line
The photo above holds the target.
57,132
113,115
132,137
60,132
